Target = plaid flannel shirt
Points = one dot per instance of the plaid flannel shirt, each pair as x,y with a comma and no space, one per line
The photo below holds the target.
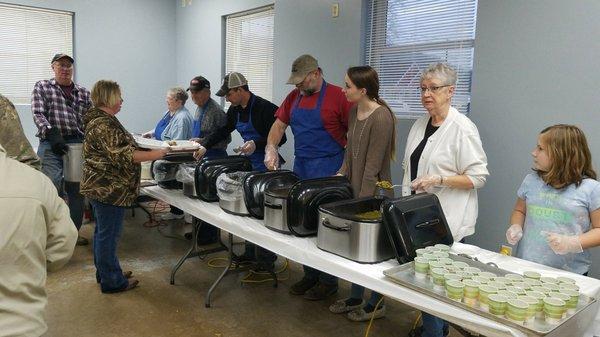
51,107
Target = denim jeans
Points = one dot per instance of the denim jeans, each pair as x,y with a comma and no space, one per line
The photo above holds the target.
433,326
52,166
357,291
322,277
109,224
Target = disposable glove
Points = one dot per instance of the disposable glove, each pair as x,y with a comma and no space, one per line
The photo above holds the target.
57,142
425,182
200,153
271,157
248,148
564,244
514,234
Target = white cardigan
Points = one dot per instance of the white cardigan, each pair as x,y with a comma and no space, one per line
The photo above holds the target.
454,149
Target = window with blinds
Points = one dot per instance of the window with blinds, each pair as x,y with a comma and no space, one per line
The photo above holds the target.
30,37
249,48
406,36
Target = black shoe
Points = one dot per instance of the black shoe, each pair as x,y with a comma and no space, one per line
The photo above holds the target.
302,286
320,292
418,331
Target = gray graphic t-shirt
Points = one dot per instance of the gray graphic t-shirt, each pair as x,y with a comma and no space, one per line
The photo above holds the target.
565,211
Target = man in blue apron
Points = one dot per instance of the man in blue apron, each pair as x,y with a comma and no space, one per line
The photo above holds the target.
318,115
208,120
252,116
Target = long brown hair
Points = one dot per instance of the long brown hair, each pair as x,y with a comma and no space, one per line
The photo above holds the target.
365,77
570,155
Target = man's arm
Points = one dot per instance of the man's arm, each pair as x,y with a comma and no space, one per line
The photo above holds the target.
38,109
12,138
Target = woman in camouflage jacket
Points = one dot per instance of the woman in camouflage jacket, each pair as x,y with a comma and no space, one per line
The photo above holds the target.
111,176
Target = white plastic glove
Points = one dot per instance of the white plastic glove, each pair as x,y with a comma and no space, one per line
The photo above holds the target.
200,153
564,244
148,134
514,234
271,157
425,182
248,148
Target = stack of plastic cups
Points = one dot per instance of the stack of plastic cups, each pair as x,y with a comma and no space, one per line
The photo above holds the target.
437,275
497,304
516,310
532,309
539,296
553,310
471,294
421,267
573,300
514,277
564,297
532,275
485,291
455,290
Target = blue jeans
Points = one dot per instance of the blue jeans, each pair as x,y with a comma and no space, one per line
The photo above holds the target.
52,166
109,224
357,291
433,326
323,278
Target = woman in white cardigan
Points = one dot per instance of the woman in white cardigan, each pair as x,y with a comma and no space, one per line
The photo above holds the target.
444,156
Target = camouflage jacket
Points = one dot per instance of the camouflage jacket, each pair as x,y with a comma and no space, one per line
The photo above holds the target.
12,137
109,174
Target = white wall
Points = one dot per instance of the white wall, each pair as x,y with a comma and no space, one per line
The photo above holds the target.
536,64
131,42
300,27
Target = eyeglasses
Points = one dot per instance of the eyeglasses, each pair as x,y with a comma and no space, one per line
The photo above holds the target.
434,89
64,65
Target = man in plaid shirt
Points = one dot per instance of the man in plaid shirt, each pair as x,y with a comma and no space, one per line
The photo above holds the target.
58,106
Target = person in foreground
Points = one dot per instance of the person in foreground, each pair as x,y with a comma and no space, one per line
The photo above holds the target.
111,180
38,235
556,218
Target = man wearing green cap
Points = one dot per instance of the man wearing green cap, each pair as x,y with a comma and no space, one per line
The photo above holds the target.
317,112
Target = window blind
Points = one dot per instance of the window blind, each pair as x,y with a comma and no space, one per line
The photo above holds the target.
249,48
30,37
406,36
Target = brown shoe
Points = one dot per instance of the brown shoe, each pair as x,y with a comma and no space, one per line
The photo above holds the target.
81,241
133,283
128,274
320,292
300,287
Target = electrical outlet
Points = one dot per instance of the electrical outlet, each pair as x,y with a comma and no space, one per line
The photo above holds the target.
335,10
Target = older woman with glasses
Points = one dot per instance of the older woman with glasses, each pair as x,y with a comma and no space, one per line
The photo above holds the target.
444,156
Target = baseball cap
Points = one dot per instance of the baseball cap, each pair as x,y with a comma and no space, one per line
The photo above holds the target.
303,65
61,56
231,80
199,83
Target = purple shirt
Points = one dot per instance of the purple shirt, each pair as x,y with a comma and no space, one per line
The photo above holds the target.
51,107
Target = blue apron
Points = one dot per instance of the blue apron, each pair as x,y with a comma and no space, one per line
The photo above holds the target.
317,154
248,133
197,133
162,125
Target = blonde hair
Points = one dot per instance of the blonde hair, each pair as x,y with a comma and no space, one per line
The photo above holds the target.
570,156
106,93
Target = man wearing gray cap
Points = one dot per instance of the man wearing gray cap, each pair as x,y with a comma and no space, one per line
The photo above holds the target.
252,116
317,112
58,106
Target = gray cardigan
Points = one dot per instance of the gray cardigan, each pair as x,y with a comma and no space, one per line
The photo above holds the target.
213,120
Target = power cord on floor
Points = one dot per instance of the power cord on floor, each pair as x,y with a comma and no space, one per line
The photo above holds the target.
248,278
373,317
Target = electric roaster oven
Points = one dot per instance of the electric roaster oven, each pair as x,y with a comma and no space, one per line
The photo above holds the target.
294,209
208,170
354,229
230,191
257,183
414,222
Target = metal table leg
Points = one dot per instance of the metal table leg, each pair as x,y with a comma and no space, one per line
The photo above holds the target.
225,271
193,251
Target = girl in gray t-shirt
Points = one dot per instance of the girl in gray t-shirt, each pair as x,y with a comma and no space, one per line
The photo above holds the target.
557,214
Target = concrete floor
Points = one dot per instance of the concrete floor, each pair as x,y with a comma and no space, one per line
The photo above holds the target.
76,307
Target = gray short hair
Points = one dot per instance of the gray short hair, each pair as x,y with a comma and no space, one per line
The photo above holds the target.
178,93
441,71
